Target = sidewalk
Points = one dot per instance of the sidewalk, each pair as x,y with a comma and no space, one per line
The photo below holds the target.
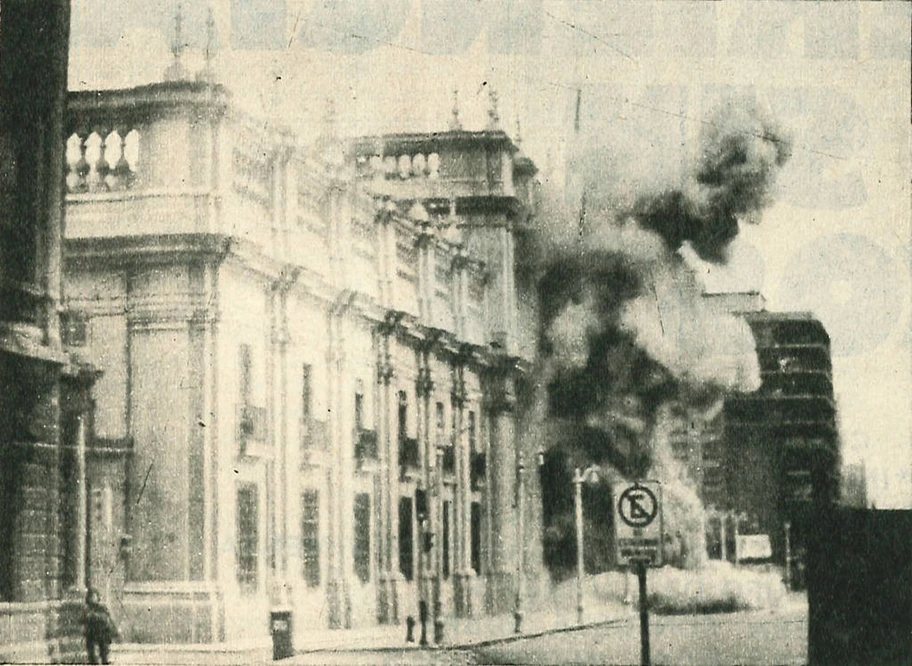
459,632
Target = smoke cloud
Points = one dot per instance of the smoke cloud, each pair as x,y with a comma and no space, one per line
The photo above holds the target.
626,332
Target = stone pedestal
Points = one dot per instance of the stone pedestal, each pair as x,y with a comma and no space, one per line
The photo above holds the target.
337,604
500,594
462,593
388,598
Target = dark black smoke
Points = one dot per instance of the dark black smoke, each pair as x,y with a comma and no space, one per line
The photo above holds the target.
731,181
626,333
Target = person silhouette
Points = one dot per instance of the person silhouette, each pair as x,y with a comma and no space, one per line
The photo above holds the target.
100,629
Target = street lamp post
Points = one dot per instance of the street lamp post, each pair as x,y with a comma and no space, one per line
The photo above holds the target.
520,534
741,516
578,506
788,555
591,474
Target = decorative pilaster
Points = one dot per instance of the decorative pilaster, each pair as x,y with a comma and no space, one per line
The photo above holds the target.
387,590
283,461
501,494
337,587
426,271
424,387
462,592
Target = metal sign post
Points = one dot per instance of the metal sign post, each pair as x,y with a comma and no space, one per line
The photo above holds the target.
644,613
638,531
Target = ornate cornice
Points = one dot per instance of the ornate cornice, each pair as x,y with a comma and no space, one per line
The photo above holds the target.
118,106
114,251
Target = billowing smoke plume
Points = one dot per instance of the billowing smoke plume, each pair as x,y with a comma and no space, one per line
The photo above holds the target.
627,338
731,182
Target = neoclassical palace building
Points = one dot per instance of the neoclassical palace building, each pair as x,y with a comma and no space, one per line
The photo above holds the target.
315,362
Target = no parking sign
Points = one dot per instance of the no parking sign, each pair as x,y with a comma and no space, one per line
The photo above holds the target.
638,523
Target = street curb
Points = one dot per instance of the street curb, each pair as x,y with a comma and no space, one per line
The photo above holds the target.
466,646
538,634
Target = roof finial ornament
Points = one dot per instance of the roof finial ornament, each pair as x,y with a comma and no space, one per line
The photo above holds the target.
518,138
208,72
329,141
455,123
211,47
175,71
493,114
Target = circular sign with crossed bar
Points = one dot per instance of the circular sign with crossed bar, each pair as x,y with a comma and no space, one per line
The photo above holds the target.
638,506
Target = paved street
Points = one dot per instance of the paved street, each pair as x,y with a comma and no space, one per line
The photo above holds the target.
757,638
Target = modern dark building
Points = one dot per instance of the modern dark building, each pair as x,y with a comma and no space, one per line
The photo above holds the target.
779,453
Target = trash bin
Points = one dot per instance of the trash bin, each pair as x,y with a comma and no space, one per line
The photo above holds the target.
280,626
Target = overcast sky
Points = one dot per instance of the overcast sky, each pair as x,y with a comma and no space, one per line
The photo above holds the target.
836,76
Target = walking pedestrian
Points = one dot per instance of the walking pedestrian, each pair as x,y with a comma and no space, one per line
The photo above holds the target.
100,629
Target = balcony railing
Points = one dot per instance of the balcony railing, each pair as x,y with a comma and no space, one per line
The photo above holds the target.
251,429
408,453
365,445
314,435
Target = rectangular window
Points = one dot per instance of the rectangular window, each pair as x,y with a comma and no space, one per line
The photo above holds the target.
306,406
403,416
359,412
440,423
247,535
362,536
446,539
476,537
73,328
245,372
310,537
251,420
406,538
473,435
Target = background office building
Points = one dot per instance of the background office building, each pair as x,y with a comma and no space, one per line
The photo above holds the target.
773,454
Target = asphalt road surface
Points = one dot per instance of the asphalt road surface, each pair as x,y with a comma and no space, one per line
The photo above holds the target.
755,638
759,638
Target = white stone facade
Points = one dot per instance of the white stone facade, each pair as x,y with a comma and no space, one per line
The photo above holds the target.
298,343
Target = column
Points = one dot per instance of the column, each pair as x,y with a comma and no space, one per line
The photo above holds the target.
336,588
387,590
426,274
282,454
395,576
508,293
427,459
462,511
210,378
501,491
81,504
273,464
